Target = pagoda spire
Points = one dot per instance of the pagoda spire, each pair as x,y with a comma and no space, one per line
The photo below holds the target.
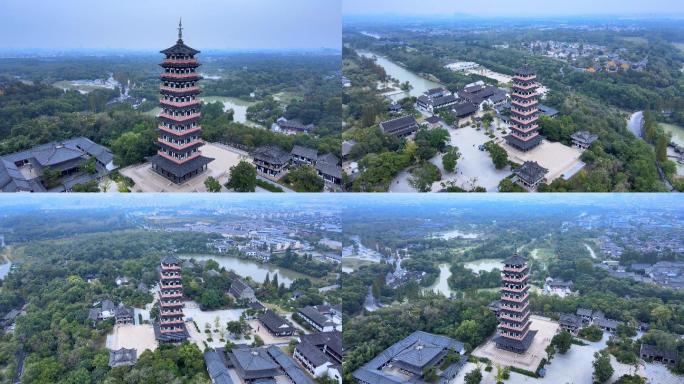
180,28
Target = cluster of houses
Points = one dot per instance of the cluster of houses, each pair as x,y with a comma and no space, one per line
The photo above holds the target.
557,287
587,317
408,361
667,274
400,276
24,171
272,162
106,309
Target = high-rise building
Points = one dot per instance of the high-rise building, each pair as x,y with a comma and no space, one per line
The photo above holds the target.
514,332
524,111
179,158
171,325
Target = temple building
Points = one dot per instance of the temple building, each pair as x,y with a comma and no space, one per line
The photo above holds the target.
171,326
524,111
530,174
583,139
179,158
514,332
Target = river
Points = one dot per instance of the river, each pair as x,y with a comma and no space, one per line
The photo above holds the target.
419,84
249,268
636,123
441,285
677,133
5,269
591,251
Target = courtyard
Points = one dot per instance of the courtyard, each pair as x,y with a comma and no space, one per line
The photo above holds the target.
559,159
529,360
225,157
139,337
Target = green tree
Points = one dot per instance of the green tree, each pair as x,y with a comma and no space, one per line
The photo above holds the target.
243,177
602,368
562,341
212,184
498,154
473,377
423,175
450,158
50,177
305,179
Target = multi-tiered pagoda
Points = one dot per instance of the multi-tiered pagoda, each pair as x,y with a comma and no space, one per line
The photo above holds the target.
514,332
524,111
180,135
171,326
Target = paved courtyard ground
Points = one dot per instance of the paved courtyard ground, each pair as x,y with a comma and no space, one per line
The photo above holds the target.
556,157
139,337
193,312
546,329
146,180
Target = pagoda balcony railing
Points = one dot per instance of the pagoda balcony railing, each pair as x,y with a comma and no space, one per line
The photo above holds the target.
171,313
172,286
512,327
171,295
170,330
519,130
523,122
180,90
524,113
171,267
180,75
170,275
525,96
173,320
512,279
525,77
506,316
180,133
177,160
519,338
516,309
181,118
516,290
524,104
525,87
180,147
514,269
179,61
183,104
515,299
171,303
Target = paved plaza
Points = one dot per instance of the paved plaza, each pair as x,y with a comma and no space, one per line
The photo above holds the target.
546,329
139,337
558,158
146,180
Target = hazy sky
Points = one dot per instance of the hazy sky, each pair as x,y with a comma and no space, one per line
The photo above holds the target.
151,24
513,7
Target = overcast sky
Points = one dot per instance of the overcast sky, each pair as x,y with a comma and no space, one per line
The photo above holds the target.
513,7
151,24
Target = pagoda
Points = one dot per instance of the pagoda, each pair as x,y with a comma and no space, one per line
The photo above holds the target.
514,332
180,135
524,111
171,326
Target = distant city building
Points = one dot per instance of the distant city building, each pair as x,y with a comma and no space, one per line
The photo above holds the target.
514,332
524,111
407,360
180,135
400,127
171,324
583,139
25,171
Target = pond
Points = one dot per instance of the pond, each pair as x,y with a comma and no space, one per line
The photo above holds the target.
419,83
441,285
484,265
454,234
252,269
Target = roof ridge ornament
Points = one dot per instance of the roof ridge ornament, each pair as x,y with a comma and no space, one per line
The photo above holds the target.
180,29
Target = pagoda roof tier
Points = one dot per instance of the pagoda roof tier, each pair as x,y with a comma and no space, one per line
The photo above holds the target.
181,76
180,170
172,63
515,259
180,91
525,71
524,96
179,133
524,113
180,147
180,49
184,104
180,119
525,86
173,337
525,103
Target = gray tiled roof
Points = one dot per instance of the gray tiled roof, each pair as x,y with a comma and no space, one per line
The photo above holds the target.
584,137
314,315
122,356
271,154
399,125
309,153
288,365
252,363
530,171
331,340
515,260
274,322
217,370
